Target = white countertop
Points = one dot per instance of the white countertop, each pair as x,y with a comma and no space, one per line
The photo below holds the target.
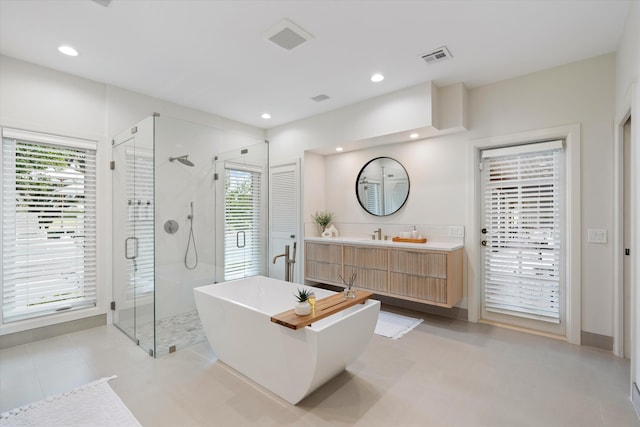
433,246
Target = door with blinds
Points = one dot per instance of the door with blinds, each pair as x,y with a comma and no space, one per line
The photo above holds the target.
242,187
522,236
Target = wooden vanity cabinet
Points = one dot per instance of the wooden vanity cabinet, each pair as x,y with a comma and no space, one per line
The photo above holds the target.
427,276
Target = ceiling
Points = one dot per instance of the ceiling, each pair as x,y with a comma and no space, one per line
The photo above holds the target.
213,55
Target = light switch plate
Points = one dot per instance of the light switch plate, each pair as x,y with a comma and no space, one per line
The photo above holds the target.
596,235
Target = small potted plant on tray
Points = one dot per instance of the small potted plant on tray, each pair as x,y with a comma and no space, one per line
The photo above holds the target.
302,296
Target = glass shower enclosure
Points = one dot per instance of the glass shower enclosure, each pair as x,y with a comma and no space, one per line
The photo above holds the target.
177,224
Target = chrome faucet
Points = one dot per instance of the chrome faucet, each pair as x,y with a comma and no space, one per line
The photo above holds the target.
379,233
288,262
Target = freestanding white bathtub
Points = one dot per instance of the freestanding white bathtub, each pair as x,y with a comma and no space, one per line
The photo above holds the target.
236,317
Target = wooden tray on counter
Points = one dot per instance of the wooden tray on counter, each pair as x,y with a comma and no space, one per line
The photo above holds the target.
400,239
325,307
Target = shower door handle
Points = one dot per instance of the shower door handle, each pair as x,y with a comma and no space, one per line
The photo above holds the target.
135,247
244,239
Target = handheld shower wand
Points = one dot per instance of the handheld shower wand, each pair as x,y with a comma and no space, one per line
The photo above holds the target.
191,239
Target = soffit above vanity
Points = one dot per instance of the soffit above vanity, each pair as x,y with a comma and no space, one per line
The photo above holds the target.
424,109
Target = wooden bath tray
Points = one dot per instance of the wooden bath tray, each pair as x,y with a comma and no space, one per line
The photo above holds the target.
324,307
400,239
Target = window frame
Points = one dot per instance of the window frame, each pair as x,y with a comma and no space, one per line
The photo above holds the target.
536,165
89,247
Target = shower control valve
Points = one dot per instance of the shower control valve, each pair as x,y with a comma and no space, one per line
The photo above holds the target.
171,226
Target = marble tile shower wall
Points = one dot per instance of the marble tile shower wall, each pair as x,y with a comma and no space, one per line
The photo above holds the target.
177,187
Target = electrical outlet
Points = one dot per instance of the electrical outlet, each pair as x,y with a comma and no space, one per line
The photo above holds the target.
456,230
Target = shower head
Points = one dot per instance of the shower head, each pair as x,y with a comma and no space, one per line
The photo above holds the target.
182,159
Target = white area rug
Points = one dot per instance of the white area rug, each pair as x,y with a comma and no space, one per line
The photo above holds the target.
94,404
394,326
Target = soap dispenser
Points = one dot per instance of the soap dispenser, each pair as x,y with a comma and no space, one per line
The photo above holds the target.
414,233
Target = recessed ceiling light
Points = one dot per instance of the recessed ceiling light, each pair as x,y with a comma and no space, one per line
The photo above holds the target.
68,50
266,116
414,136
339,148
377,78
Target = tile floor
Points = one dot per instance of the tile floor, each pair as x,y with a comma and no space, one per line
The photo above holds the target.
443,373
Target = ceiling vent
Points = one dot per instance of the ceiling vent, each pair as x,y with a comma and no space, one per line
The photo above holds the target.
438,55
287,35
320,98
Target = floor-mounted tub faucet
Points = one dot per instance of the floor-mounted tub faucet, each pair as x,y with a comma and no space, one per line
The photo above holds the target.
288,262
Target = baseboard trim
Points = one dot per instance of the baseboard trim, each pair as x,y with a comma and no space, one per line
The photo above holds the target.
44,332
604,342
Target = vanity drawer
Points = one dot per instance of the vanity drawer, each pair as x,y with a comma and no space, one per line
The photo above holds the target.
323,252
366,257
322,271
430,264
420,287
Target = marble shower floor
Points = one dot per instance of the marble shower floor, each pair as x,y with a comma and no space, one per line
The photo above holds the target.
181,331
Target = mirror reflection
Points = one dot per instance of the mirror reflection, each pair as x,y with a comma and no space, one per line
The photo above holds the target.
382,186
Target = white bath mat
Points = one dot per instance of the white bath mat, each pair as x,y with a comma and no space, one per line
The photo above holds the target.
94,404
393,325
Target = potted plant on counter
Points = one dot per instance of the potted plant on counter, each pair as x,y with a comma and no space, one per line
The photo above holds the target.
323,219
302,296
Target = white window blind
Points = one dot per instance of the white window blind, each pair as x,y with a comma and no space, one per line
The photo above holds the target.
48,224
140,221
522,216
243,252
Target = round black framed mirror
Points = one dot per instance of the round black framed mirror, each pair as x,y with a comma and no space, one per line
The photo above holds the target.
382,186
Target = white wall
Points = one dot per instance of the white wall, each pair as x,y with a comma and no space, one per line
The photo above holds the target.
44,100
579,93
41,99
313,183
